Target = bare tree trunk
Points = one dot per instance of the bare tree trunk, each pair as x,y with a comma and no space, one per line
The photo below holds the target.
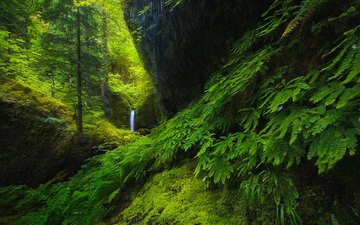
79,81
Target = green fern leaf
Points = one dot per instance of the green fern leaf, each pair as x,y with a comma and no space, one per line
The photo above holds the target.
307,9
328,92
355,67
220,169
345,65
348,95
202,163
331,146
330,117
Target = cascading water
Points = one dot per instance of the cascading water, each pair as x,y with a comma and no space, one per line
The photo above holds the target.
132,120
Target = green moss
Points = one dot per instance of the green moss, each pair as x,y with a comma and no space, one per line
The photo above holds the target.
17,92
106,132
120,109
37,134
177,197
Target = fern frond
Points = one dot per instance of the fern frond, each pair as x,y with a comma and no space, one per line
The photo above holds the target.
348,95
331,146
330,117
308,7
355,67
328,93
243,44
277,14
281,188
220,169
173,3
33,218
250,118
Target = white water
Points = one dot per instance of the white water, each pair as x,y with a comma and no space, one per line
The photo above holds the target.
132,120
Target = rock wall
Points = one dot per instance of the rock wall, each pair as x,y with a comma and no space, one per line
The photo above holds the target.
182,46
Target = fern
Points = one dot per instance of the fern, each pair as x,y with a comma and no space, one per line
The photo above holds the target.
265,184
331,146
355,67
292,114
329,117
348,95
219,168
249,118
308,7
278,13
333,89
243,44
276,96
346,61
174,3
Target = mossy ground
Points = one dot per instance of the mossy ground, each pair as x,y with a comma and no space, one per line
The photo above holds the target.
176,197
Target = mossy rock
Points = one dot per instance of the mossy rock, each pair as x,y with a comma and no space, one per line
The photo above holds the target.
119,110
106,133
177,197
36,134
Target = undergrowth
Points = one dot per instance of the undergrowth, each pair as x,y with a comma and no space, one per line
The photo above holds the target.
288,94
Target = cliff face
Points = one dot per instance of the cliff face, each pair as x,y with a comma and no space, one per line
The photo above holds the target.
182,46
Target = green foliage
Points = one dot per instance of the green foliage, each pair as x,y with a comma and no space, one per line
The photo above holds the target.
106,133
174,3
289,117
176,197
308,7
37,43
85,198
280,187
263,112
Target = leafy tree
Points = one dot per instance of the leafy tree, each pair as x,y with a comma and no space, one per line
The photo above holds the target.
71,42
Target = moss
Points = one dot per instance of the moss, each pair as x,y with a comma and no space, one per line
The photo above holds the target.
106,132
37,134
177,197
120,109
19,93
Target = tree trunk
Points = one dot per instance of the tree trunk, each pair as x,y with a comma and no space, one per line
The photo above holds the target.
79,79
86,33
105,68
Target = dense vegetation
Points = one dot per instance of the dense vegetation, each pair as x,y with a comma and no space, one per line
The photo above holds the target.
39,45
277,127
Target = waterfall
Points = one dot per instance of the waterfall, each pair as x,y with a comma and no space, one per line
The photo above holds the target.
132,120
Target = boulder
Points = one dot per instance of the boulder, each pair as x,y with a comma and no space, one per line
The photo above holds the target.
37,133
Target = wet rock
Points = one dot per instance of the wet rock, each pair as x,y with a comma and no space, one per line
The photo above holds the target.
182,46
